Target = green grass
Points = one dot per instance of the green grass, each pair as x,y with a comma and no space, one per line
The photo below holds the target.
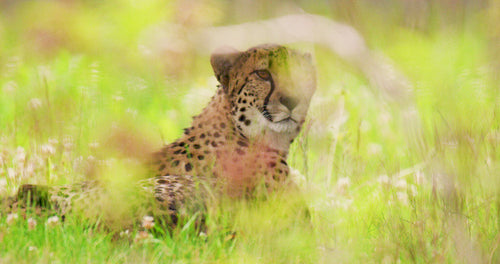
77,100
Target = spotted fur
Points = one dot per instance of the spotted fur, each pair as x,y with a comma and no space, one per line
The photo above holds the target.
240,141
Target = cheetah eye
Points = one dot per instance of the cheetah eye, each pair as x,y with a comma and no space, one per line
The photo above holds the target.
263,74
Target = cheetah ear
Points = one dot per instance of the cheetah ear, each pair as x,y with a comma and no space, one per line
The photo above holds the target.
222,60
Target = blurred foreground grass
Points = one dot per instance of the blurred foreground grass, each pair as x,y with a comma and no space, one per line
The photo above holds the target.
80,99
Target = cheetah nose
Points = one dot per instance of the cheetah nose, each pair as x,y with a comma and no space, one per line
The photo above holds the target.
289,102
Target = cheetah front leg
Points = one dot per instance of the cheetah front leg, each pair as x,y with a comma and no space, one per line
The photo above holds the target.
178,199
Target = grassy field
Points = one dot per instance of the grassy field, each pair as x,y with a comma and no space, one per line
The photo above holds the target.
79,99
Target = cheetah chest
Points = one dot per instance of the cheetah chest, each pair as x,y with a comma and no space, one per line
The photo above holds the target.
241,169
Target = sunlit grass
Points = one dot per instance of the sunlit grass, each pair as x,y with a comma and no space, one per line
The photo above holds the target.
78,101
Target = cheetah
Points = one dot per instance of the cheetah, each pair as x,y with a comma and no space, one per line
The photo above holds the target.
240,141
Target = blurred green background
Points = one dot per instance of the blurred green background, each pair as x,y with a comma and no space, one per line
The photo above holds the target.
82,87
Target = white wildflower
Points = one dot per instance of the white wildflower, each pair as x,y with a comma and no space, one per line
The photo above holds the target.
3,181
402,197
365,126
91,159
45,72
342,184
37,161
489,161
47,150
148,222
20,157
144,50
31,224
137,84
12,218
374,149
125,233
384,180
94,145
35,103
53,220
141,236
401,184
117,98
420,177
172,114
132,112
384,118
68,143
413,190
29,170
195,98
53,141
9,87
11,173
343,203
94,72
32,248
387,259
297,177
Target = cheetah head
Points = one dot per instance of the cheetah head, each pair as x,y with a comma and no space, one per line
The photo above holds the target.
269,88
